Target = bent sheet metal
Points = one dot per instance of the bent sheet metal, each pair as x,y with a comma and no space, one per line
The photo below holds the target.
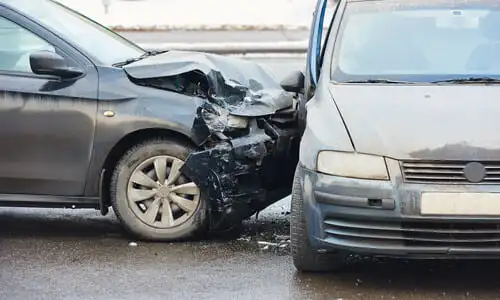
246,129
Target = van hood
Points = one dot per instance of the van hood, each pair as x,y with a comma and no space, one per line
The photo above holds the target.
445,122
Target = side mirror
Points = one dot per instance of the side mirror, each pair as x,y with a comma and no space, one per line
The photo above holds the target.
50,63
294,82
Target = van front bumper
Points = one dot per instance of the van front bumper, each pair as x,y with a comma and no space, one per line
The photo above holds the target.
382,218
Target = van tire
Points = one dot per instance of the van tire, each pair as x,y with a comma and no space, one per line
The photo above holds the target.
305,258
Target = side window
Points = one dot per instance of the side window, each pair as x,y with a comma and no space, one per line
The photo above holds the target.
17,43
330,12
323,16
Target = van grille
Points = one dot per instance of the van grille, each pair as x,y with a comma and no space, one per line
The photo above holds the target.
447,172
418,234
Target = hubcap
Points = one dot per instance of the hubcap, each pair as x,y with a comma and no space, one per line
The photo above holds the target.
159,195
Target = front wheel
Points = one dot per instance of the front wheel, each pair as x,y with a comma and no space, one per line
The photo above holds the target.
152,198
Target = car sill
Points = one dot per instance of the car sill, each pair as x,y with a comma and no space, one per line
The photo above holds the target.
20,200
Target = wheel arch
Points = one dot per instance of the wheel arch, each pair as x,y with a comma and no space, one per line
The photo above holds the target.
121,147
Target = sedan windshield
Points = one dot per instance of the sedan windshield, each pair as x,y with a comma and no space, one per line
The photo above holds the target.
419,41
98,42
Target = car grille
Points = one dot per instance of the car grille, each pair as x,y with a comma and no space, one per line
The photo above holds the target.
447,172
415,234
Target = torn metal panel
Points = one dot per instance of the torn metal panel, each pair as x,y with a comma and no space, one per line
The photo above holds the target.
243,175
246,129
241,87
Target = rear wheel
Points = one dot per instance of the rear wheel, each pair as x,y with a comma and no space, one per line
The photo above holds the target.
152,198
306,258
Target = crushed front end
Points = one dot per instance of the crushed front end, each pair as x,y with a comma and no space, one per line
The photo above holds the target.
242,171
246,129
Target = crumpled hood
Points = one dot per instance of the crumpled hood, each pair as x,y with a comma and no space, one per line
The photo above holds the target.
244,88
422,122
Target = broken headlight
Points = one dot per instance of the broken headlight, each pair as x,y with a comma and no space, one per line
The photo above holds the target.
237,122
219,119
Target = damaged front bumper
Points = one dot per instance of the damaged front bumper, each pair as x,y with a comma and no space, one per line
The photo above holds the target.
245,127
243,175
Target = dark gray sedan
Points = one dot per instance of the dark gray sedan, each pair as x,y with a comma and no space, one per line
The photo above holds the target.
176,142
401,152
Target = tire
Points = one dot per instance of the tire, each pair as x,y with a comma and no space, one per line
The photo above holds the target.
160,224
305,258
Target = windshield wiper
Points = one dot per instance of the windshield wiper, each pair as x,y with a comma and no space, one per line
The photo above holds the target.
143,56
379,81
469,80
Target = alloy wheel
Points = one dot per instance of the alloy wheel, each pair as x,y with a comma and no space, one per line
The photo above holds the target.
159,195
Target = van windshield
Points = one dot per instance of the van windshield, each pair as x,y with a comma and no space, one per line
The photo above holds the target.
421,41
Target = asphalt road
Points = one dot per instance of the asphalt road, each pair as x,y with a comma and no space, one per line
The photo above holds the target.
66,254
57,254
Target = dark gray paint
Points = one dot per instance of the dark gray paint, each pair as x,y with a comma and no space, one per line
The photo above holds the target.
47,124
61,142
136,108
46,137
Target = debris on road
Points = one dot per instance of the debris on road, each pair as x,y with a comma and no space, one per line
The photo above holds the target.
280,243
267,243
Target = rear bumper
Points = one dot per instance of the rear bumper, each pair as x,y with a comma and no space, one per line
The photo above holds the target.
383,218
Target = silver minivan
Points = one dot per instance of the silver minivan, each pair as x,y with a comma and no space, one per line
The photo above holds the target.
400,154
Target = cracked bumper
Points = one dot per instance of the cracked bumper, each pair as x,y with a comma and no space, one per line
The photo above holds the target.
243,175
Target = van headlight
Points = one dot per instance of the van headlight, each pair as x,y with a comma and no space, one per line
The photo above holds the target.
354,165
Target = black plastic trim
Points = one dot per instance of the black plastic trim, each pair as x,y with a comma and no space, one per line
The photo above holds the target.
20,200
349,201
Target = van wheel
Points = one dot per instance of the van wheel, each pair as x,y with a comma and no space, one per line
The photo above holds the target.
152,198
305,258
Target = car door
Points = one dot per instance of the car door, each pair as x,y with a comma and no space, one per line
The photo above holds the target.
47,123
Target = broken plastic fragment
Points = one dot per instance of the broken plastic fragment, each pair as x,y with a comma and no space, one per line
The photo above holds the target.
267,243
282,237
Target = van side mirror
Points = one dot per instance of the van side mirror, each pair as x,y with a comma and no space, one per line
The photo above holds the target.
294,82
50,63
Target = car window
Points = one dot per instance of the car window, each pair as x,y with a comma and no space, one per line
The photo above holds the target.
418,42
98,42
17,43
322,17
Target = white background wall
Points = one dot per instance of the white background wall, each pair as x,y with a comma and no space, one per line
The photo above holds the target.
199,14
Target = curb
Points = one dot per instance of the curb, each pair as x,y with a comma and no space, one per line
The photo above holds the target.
233,48
242,27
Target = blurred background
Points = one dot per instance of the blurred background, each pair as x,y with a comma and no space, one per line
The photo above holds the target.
273,33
